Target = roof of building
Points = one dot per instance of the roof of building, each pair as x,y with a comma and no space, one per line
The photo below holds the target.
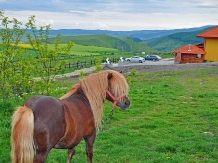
190,49
211,33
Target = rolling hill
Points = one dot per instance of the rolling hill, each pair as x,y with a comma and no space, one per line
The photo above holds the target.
126,44
173,41
164,41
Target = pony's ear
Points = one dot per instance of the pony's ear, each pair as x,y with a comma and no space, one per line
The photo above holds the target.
121,72
110,75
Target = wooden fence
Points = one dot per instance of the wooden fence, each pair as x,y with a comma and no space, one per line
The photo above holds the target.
82,64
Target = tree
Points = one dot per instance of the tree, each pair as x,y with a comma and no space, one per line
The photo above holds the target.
17,68
14,67
48,60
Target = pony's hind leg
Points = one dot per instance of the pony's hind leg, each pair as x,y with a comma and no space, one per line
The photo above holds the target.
89,147
40,156
43,144
71,152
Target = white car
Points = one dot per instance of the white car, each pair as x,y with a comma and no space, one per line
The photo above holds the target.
135,59
158,57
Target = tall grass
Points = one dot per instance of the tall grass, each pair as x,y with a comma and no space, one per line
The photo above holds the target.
172,119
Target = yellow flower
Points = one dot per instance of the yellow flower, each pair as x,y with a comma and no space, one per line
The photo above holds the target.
27,46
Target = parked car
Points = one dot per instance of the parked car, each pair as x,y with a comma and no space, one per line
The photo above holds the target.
135,59
158,57
153,57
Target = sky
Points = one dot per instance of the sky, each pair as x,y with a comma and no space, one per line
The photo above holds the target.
115,15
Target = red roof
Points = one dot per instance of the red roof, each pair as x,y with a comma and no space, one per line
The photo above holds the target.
190,49
211,33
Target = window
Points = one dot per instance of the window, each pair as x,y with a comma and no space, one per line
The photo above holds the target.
198,56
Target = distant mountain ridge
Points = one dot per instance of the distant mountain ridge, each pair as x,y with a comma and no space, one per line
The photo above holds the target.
139,34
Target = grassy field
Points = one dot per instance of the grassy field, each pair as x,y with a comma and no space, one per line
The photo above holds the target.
80,50
172,119
91,50
81,53
86,53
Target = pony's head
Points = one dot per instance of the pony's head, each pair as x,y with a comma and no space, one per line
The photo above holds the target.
98,87
117,90
105,85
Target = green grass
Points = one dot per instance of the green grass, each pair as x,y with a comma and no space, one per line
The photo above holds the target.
172,119
82,50
91,50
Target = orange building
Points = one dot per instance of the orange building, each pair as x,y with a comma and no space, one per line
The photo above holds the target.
189,53
210,44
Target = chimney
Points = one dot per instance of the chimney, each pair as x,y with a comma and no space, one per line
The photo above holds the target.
189,47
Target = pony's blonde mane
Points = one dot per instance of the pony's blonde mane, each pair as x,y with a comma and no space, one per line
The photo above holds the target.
94,87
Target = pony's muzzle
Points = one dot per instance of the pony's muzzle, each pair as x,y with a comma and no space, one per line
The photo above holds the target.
124,104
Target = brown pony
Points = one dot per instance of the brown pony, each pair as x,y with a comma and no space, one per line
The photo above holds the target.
45,122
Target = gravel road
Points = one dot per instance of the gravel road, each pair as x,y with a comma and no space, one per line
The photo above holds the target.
162,67
145,67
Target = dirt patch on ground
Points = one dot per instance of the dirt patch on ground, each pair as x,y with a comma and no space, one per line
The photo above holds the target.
159,68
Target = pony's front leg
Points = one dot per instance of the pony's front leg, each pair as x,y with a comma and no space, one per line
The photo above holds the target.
89,147
71,152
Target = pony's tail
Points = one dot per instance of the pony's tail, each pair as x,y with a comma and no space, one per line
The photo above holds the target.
22,145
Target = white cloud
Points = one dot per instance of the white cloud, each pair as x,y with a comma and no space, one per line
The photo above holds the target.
115,15
49,22
99,25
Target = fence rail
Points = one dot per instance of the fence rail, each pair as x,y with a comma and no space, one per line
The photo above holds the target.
82,64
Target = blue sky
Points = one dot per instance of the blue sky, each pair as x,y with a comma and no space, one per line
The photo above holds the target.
115,15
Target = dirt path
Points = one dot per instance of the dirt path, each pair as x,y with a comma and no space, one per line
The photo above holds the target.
172,67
